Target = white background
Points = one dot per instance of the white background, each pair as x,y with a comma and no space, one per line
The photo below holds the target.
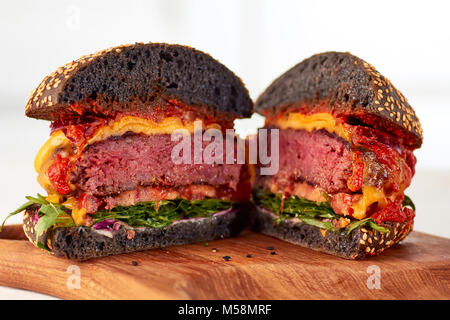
407,41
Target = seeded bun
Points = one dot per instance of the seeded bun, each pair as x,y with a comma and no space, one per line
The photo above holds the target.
83,243
348,87
137,78
359,244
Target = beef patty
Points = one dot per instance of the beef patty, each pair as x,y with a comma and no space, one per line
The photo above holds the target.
318,158
124,163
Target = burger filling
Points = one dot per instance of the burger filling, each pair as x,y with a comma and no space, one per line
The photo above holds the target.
356,172
98,169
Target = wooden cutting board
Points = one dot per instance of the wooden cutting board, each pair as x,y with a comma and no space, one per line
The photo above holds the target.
419,268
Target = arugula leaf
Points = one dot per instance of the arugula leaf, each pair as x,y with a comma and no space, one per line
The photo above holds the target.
316,214
48,220
377,227
308,212
368,221
39,200
17,211
327,225
293,205
407,202
150,214
42,246
51,215
355,224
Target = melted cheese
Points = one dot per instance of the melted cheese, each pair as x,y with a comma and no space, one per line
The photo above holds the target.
370,195
54,198
140,126
79,216
57,141
317,121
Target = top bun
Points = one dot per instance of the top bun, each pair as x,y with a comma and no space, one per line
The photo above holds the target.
348,87
138,78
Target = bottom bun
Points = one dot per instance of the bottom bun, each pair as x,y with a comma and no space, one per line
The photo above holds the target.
361,242
83,243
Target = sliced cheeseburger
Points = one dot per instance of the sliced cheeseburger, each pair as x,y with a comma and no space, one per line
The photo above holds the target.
346,141
112,184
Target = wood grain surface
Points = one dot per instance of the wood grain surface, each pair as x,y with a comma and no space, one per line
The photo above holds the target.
418,268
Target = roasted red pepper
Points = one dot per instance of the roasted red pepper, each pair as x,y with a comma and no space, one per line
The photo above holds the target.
394,212
355,182
57,174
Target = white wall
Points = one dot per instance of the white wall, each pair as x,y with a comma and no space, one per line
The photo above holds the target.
408,41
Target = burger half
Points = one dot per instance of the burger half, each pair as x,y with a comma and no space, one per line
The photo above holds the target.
346,141
108,169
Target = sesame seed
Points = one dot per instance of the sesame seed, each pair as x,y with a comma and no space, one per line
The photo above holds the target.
214,250
364,236
362,241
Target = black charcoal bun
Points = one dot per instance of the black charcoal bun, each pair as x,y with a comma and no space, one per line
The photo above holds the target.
346,86
136,79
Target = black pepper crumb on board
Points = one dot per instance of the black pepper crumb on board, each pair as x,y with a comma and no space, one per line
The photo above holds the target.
270,248
249,256
134,263
227,258
273,253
